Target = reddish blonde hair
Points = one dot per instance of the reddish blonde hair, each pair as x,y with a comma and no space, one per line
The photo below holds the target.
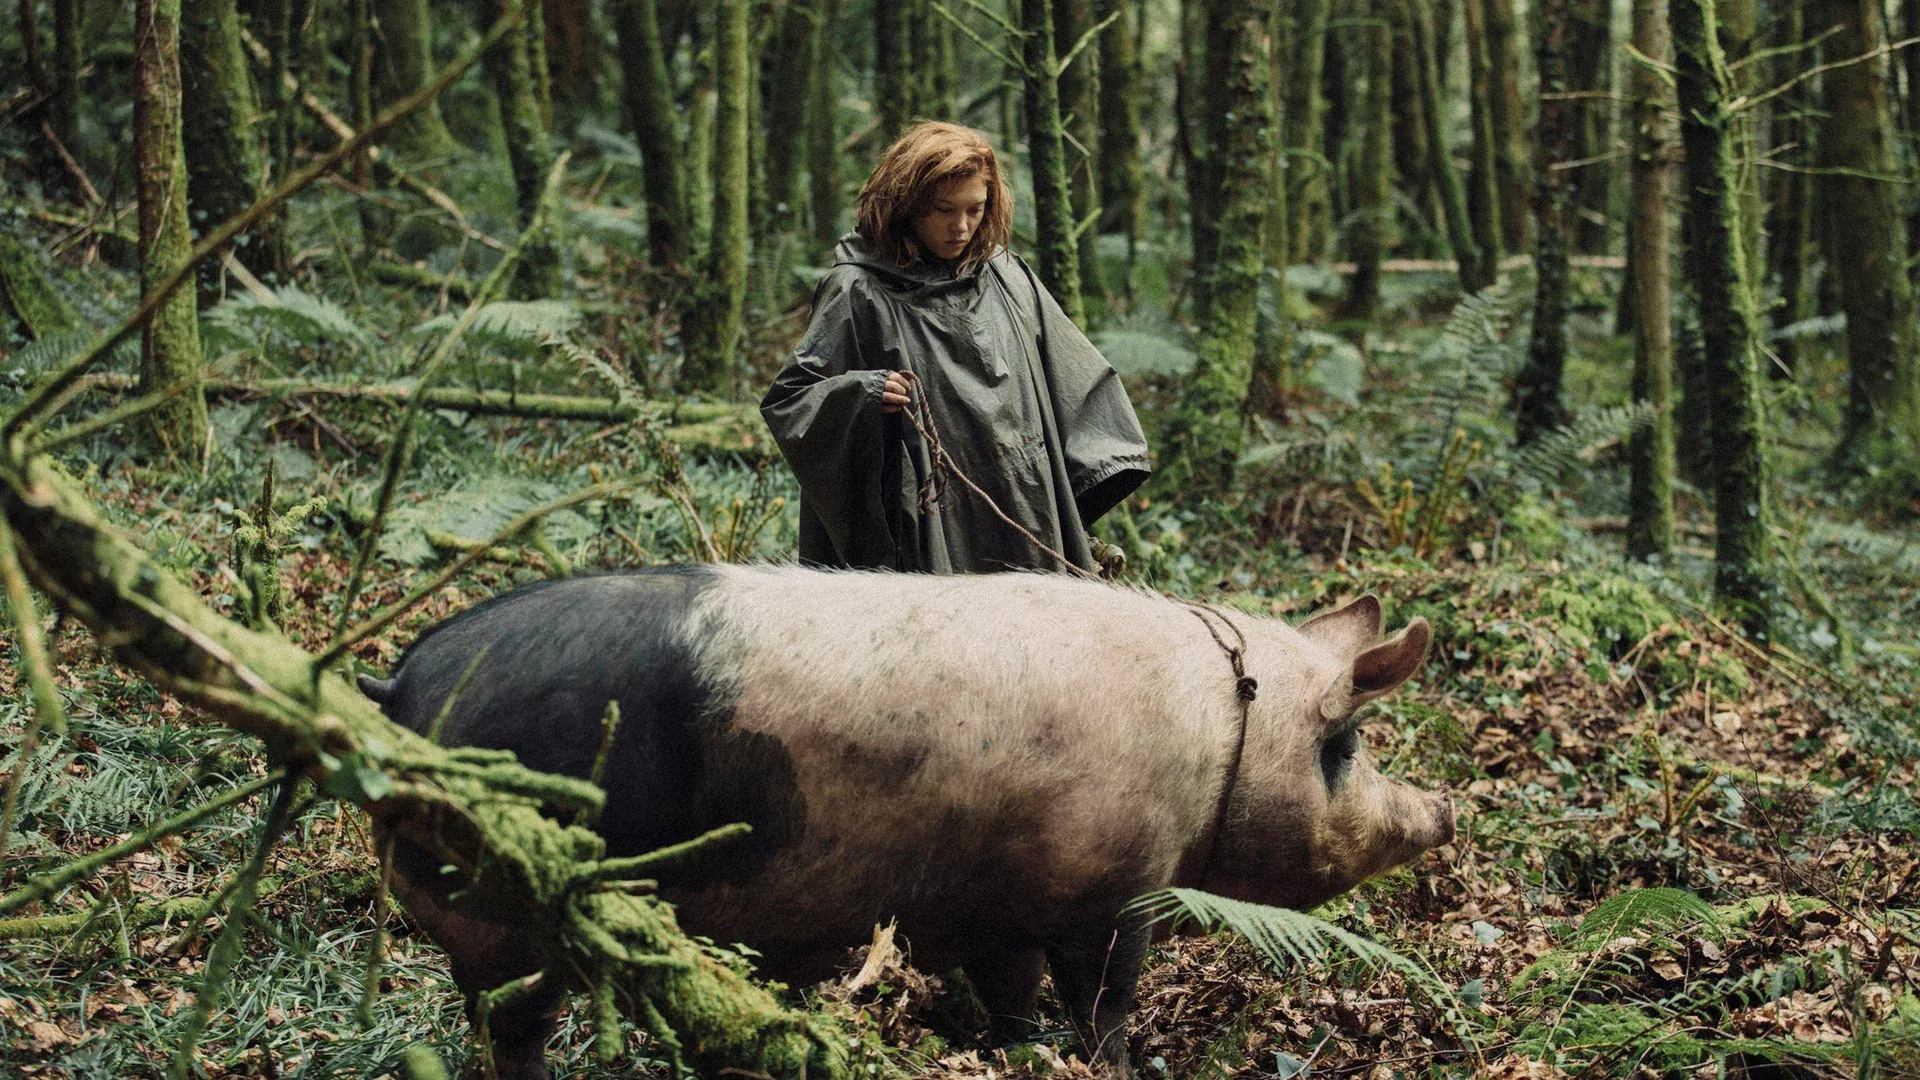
908,179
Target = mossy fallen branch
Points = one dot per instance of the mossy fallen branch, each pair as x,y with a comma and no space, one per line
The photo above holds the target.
500,825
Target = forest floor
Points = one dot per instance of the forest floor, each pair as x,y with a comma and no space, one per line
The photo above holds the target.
1680,852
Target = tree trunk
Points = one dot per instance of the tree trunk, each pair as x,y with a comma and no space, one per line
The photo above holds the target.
1716,264
170,341
1306,121
1210,430
823,148
1509,118
1053,211
714,334
1371,217
1483,174
892,82
1866,238
647,86
1080,100
402,64
1477,269
1651,454
509,66
783,104
1537,405
221,132
1590,72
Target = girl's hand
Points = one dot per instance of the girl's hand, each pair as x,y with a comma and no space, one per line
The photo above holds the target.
897,392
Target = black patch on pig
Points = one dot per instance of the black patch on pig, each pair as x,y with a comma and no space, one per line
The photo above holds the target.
1336,755
555,654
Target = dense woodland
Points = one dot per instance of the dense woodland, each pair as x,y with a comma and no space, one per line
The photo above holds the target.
1585,329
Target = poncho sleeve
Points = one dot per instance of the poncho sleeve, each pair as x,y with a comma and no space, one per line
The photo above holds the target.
824,409
1106,450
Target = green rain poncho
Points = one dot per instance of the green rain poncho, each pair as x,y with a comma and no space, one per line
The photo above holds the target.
1027,407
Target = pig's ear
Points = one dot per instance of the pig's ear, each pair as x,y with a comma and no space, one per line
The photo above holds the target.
1347,631
1390,663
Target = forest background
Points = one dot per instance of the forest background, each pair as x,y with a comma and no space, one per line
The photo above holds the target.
1584,329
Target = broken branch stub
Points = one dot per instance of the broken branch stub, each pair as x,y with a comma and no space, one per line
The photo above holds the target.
500,824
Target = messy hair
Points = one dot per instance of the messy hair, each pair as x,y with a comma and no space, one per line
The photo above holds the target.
909,178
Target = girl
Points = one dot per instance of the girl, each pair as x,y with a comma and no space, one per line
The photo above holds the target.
926,310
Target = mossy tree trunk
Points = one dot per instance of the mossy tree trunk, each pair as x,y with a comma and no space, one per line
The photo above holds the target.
1866,239
1371,214
1509,116
1057,253
1650,484
1121,183
714,330
509,67
170,341
1209,432
1483,170
1303,138
1477,268
1590,75
402,64
221,131
1536,394
1716,265
647,88
823,138
783,104
1080,100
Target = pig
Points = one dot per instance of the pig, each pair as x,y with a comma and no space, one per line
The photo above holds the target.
1000,763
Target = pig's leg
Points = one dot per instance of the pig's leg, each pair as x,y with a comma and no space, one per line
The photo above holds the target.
1009,987
1095,976
485,954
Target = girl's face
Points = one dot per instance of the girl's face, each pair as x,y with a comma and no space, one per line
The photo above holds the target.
949,223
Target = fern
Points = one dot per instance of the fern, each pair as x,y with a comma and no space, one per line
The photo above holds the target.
1553,457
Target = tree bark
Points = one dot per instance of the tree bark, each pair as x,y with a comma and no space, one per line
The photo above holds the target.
509,66
402,64
225,167
1052,207
823,147
1716,264
170,341
1651,452
1483,173
647,88
1371,216
1537,405
1211,427
1509,118
1866,239
714,333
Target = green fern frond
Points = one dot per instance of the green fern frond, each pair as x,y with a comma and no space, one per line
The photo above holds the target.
1569,449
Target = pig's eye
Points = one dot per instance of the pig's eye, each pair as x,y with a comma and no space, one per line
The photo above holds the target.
1336,755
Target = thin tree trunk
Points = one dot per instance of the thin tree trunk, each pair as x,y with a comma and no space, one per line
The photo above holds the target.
1372,190
1477,270
1211,427
225,167
715,331
1866,238
1306,118
1483,187
1651,453
403,62
1716,264
823,147
1537,405
1053,210
1509,125
1590,73
170,341
647,87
